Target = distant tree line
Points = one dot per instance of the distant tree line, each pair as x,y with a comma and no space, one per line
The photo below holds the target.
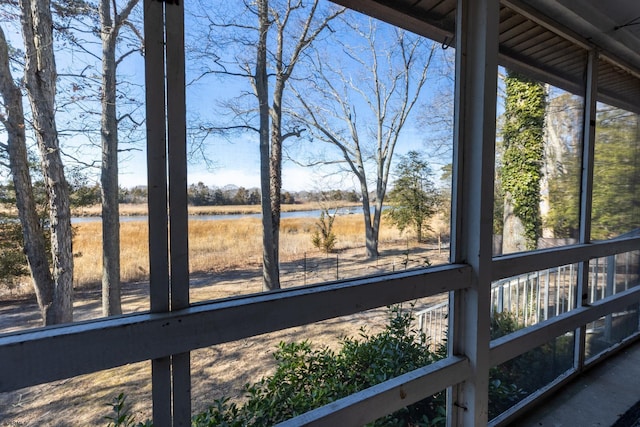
202,195
88,194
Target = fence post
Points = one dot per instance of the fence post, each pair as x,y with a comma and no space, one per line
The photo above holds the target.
610,290
594,285
572,285
626,270
305,269
538,295
337,268
518,299
545,312
525,301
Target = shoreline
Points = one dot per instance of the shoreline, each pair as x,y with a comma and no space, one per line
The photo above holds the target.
133,210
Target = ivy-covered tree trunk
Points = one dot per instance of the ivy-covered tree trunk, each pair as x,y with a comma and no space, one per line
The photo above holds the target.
40,78
33,238
523,137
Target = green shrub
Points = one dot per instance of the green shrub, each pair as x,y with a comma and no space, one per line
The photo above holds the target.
13,262
307,378
323,237
521,376
122,416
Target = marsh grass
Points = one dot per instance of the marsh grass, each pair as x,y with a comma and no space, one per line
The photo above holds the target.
227,246
214,245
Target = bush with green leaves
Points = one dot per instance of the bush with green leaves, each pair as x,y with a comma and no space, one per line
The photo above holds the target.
13,262
517,378
308,377
122,416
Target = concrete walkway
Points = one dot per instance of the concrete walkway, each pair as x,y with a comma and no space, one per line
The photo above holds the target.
597,398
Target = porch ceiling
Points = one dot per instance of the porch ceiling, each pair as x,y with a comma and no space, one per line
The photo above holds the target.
548,39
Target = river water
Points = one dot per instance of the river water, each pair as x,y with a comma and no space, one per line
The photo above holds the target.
296,214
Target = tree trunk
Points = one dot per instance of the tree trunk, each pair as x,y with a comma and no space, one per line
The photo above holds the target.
109,168
40,77
270,268
513,235
371,237
33,237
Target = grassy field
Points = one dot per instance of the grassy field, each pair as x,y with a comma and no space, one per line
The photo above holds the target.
220,245
214,245
230,247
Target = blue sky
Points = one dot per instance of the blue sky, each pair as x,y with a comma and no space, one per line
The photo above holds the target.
232,160
235,158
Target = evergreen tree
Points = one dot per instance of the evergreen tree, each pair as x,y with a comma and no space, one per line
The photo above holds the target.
616,203
414,197
563,165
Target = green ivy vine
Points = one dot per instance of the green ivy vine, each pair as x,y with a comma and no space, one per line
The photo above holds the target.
524,150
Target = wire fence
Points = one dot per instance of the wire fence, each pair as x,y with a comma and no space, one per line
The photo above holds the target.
320,268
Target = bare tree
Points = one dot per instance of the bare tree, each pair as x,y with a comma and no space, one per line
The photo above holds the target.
111,22
16,147
284,31
40,79
92,100
389,87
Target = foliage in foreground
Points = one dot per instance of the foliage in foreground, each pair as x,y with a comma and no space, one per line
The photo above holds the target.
122,416
512,381
307,378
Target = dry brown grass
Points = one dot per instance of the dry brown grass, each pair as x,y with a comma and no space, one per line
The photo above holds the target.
214,245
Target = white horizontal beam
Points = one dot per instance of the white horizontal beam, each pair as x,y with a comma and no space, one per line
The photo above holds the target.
387,397
521,263
512,345
102,344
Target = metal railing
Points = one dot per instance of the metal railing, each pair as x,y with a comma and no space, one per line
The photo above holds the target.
538,296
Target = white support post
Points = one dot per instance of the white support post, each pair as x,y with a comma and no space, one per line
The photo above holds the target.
472,225
588,143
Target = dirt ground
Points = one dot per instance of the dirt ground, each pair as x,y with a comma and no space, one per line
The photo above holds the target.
216,371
